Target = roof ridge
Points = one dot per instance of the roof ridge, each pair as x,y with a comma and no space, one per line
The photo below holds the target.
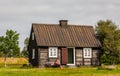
42,24
81,25
58,24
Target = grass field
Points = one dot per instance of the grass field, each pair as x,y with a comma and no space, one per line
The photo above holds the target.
15,68
81,71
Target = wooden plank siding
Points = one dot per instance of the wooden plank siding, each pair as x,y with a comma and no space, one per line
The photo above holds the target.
62,56
44,56
87,61
79,57
96,57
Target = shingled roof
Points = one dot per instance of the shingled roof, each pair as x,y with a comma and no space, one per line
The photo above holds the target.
65,35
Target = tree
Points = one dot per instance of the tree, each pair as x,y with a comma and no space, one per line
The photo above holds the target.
9,43
24,53
109,36
2,46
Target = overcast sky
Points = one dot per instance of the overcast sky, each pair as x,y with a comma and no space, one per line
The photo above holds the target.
20,14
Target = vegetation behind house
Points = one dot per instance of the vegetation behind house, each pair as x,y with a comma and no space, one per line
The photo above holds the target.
109,35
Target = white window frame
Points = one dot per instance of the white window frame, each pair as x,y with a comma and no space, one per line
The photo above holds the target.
33,53
53,52
87,52
33,36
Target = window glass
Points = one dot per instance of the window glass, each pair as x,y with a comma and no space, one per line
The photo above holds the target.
85,52
88,52
50,52
33,53
32,35
54,52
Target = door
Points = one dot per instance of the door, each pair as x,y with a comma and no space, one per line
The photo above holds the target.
70,56
64,56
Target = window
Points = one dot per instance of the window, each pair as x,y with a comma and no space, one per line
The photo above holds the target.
33,53
87,52
53,52
33,36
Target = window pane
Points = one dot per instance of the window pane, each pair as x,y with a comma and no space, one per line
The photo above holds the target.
33,53
50,52
32,35
88,52
54,52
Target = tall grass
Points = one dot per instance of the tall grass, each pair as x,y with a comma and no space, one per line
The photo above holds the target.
12,61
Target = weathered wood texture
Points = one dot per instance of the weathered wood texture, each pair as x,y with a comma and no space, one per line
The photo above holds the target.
87,61
96,57
79,57
44,56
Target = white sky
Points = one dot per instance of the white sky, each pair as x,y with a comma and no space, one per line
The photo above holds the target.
20,14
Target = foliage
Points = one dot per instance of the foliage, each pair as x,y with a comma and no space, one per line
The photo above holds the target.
109,36
12,42
1,54
2,44
24,52
26,42
9,44
103,58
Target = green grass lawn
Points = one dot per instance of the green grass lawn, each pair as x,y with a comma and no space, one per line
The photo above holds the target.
81,71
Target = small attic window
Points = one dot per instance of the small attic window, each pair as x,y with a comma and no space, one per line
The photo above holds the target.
33,37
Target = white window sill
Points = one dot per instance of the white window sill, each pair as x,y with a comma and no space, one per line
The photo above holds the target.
53,57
